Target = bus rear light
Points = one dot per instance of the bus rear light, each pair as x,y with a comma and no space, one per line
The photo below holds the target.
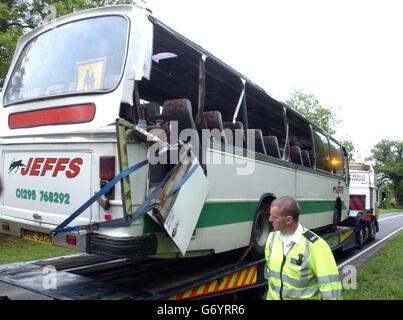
71,240
52,116
5,226
107,167
108,217
106,173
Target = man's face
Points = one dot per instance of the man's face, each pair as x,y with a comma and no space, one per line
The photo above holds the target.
278,220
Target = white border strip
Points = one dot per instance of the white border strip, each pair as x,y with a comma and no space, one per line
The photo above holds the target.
388,218
374,245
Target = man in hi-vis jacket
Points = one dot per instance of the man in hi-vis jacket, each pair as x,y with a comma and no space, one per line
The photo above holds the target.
300,264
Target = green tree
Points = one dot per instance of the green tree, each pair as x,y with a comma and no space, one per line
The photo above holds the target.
9,34
388,157
350,148
17,17
309,106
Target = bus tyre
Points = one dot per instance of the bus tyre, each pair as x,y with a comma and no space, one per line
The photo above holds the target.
336,216
260,231
372,231
360,237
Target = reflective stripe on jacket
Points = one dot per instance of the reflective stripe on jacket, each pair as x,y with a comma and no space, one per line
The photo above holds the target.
308,271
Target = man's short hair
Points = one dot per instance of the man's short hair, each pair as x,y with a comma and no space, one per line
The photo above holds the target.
288,206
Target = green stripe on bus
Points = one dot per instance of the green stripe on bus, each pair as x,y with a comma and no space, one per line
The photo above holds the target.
309,207
217,214
214,214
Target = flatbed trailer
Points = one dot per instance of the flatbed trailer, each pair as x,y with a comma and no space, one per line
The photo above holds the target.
96,277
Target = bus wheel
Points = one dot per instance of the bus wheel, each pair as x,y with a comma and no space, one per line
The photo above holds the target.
359,237
372,231
336,216
260,231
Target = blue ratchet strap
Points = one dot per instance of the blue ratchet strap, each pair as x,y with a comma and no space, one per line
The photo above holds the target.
100,193
148,203
146,206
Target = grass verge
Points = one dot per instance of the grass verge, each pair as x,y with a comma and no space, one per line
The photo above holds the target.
382,277
13,249
390,210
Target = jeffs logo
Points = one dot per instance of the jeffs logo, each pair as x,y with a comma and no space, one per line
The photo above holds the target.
47,167
15,165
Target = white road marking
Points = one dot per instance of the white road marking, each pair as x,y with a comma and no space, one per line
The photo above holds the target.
394,217
369,248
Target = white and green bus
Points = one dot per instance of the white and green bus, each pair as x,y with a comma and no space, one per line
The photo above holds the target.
69,82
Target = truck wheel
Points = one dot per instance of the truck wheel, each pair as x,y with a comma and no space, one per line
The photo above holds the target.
260,231
359,237
366,232
372,231
376,224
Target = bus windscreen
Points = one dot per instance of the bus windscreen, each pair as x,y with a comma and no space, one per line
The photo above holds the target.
80,56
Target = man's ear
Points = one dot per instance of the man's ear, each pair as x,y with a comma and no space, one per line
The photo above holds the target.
289,220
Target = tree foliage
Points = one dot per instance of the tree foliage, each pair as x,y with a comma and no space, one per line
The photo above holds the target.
350,148
388,157
309,106
20,16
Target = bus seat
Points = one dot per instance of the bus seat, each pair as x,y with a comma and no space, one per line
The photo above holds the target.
213,120
271,144
152,110
179,110
295,154
305,158
237,126
259,142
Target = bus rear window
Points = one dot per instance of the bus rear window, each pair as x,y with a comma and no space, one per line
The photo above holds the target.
336,158
322,151
84,55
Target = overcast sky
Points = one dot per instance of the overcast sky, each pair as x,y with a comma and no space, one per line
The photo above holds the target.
348,53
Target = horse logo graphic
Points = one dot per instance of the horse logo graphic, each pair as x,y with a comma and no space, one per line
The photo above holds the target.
15,165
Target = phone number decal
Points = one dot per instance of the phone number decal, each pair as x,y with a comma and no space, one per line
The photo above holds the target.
43,196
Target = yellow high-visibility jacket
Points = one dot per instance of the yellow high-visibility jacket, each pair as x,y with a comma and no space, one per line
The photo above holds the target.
308,271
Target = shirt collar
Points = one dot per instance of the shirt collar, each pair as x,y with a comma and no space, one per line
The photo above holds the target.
295,237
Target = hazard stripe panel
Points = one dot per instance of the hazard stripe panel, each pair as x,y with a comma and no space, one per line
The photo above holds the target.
345,235
239,279
52,116
357,202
